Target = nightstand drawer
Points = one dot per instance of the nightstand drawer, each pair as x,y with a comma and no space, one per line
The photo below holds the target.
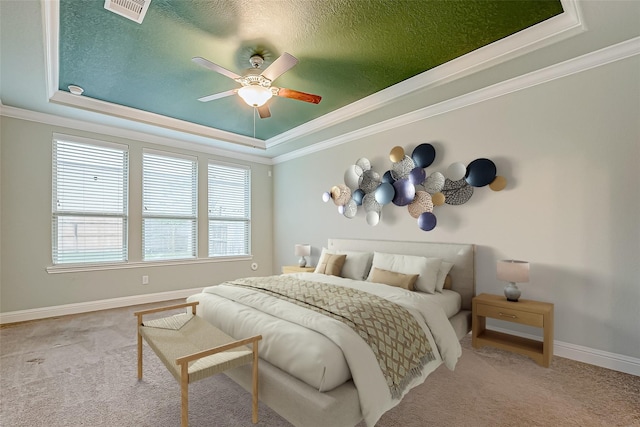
510,315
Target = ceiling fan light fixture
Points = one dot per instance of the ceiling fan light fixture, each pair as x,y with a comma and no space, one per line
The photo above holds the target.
255,95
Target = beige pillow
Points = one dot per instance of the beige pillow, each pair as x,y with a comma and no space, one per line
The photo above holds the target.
447,282
357,264
426,268
443,273
331,264
393,278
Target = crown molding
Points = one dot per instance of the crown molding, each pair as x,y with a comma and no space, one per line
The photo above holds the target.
51,26
586,62
139,116
82,125
553,30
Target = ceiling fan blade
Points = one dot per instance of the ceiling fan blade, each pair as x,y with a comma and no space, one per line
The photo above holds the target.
280,66
217,95
300,96
215,67
264,112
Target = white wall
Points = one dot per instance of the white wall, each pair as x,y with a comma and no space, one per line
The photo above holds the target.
570,150
26,228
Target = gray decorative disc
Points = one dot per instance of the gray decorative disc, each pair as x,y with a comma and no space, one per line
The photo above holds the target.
370,203
350,209
434,183
401,169
370,181
456,192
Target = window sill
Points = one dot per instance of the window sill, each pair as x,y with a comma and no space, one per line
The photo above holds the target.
77,268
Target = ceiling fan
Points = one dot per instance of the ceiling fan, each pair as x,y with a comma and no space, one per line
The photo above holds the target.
256,87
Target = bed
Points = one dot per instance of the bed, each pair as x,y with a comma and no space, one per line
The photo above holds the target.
313,383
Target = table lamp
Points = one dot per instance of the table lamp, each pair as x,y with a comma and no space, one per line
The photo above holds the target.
513,271
303,251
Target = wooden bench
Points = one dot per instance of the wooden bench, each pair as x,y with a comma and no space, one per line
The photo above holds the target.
193,349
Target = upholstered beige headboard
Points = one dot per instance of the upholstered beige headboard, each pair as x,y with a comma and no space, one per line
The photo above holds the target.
462,256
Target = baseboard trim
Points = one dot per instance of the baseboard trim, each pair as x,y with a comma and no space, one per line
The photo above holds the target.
604,359
592,356
85,307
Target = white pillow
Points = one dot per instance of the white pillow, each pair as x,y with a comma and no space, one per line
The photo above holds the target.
427,268
445,267
356,266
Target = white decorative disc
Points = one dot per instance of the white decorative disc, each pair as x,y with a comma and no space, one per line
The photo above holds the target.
434,183
353,176
373,218
456,171
364,163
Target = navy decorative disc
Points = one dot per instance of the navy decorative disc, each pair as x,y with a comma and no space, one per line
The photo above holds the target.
480,172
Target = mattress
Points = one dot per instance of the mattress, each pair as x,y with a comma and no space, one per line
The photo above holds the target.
307,355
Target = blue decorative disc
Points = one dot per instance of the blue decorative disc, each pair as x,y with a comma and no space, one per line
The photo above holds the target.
427,221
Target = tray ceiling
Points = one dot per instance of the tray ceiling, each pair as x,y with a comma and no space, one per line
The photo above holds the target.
347,51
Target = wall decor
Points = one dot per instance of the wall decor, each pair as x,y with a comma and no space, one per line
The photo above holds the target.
407,184
421,203
457,192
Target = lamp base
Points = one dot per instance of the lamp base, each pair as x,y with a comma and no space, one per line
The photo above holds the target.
512,292
302,262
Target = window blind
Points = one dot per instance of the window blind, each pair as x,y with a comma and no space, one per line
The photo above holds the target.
229,210
89,202
169,217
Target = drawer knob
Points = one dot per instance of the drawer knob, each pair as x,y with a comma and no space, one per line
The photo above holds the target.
512,316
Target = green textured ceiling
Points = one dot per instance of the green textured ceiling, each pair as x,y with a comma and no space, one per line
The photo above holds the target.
347,50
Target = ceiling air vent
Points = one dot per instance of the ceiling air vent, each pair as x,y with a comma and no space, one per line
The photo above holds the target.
130,9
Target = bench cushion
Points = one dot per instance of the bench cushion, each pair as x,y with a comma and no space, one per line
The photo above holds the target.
184,334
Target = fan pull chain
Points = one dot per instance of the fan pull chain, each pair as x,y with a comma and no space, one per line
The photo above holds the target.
254,122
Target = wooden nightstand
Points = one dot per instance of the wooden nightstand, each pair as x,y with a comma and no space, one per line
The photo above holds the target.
526,312
288,269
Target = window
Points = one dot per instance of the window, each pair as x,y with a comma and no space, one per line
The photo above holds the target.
229,210
169,204
89,202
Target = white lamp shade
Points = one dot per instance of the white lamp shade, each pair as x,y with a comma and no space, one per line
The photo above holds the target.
255,95
303,250
511,270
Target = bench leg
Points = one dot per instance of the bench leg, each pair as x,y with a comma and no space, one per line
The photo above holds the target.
184,392
254,407
139,356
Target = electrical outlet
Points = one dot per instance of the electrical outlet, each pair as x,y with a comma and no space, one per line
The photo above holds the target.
145,280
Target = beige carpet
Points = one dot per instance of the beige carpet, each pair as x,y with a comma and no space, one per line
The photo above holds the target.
81,371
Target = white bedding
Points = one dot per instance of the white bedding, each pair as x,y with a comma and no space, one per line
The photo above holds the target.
450,301
324,352
307,355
